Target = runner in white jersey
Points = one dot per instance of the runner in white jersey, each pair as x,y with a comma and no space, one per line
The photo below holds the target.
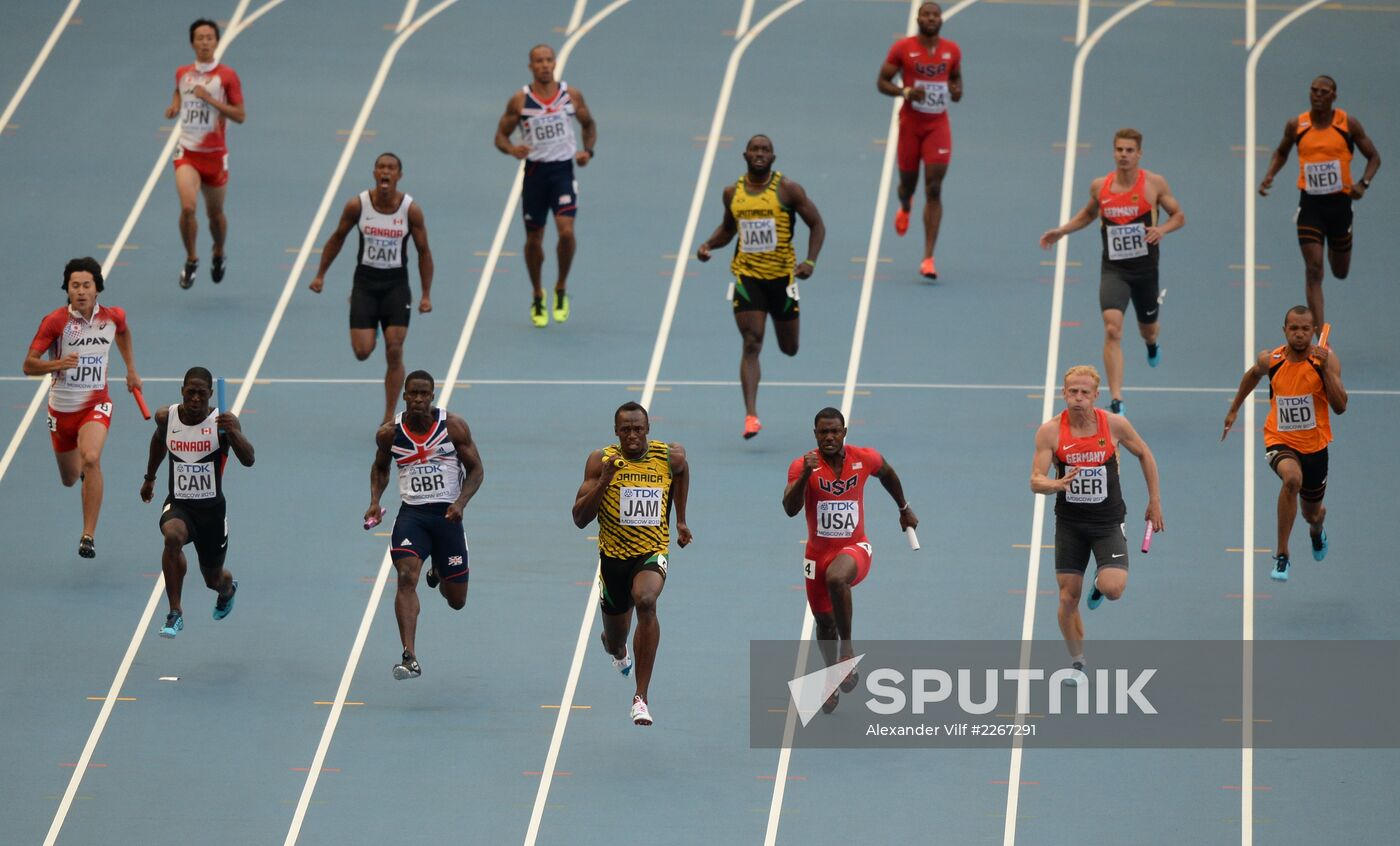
380,297
197,439
544,111
78,340
439,472
207,95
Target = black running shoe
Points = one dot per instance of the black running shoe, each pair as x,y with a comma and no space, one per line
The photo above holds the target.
187,275
408,668
216,270
432,577
86,547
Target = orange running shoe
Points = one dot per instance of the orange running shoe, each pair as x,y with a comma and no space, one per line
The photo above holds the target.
751,426
927,269
901,222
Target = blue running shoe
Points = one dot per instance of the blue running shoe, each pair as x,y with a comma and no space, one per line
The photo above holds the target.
174,622
1319,543
1116,406
1095,596
223,606
1280,571
1154,355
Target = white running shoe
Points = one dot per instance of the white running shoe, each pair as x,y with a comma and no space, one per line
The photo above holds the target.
622,665
640,715
1079,676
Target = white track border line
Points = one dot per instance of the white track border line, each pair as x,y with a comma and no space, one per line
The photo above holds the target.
872,252
1247,556
409,7
1052,359
39,60
236,24
663,333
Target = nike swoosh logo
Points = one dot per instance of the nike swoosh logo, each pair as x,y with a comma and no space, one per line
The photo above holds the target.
1118,554
913,55
1152,312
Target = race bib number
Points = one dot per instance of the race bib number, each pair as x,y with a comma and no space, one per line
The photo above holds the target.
383,253
90,374
809,568
758,235
195,480
1322,177
546,129
196,116
103,408
1295,414
639,506
53,424
1089,486
837,518
935,100
426,479
1128,241
792,291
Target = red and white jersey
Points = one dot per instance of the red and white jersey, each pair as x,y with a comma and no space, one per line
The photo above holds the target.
547,126
202,125
835,503
64,331
927,70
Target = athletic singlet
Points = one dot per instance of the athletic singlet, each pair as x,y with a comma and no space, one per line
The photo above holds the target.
1324,154
64,331
1125,217
765,249
635,515
197,458
383,242
547,126
927,70
835,504
201,125
1094,495
429,469
1298,412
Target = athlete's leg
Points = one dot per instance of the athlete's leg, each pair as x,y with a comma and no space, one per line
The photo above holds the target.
1113,351
534,258
187,184
1291,473
1111,582
751,327
362,342
1312,280
908,181
787,332
91,438
406,600
827,635
70,467
214,208
1339,259
840,574
566,248
1071,624
615,629
933,205
455,593
1148,331
1314,513
172,559
646,588
393,373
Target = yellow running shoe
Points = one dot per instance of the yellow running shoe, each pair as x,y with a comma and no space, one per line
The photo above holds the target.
537,315
561,306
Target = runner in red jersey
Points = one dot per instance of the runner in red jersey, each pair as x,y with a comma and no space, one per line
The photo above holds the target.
930,72
829,482
207,95
78,340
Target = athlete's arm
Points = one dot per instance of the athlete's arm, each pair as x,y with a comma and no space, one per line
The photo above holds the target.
795,494
34,362
470,460
418,228
890,480
156,455
680,492
725,232
885,83
1331,374
596,477
590,130
508,124
1041,482
348,218
1373,159
133,381
1127,437
1280,156
379,470
1248,383
1085,217
955,83
173,110
1167,201
233,433
233,111
797,200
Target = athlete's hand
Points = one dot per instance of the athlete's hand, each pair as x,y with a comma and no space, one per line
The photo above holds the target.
1050,237
1267,184
810,462
229,422
373,513
914,94
171,111
1229,422
202,93
317,284
582,158
908,520
1154,234
425,305
804,270
68,362
1320,355
133,381
611,464
520,151
454,513
1065,479
1357,190
1154,515
148,489
704,252
683,535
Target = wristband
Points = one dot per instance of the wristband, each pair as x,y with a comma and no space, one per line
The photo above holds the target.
589,151
903,508
812,262
904,92
1365,183
150,478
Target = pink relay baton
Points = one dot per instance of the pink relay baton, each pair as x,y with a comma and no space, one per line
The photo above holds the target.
374,521
1147,538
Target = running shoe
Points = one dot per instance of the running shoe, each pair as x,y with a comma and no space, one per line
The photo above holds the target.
901,222
1280,571
622,665
1095,596
849,683
223,606
640,715
1319,545
432,577
1078,676
174,622
87,548
408,668
537,315
831,702
1116,407
1154,355
216,270
751,426
561,306
187,275
927,269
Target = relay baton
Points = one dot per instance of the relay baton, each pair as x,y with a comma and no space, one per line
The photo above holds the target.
913,539
374,521
1326,330
1147,539
219,393
141,404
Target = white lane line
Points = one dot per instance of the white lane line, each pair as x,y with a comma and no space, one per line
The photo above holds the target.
409,7
775,805
118,680
574,20
1246,561
1081,23
702,184
1052,364
745,17
39,60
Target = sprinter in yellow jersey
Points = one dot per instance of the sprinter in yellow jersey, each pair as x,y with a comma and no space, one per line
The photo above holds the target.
630,488
1305,381
759,208
1325,138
